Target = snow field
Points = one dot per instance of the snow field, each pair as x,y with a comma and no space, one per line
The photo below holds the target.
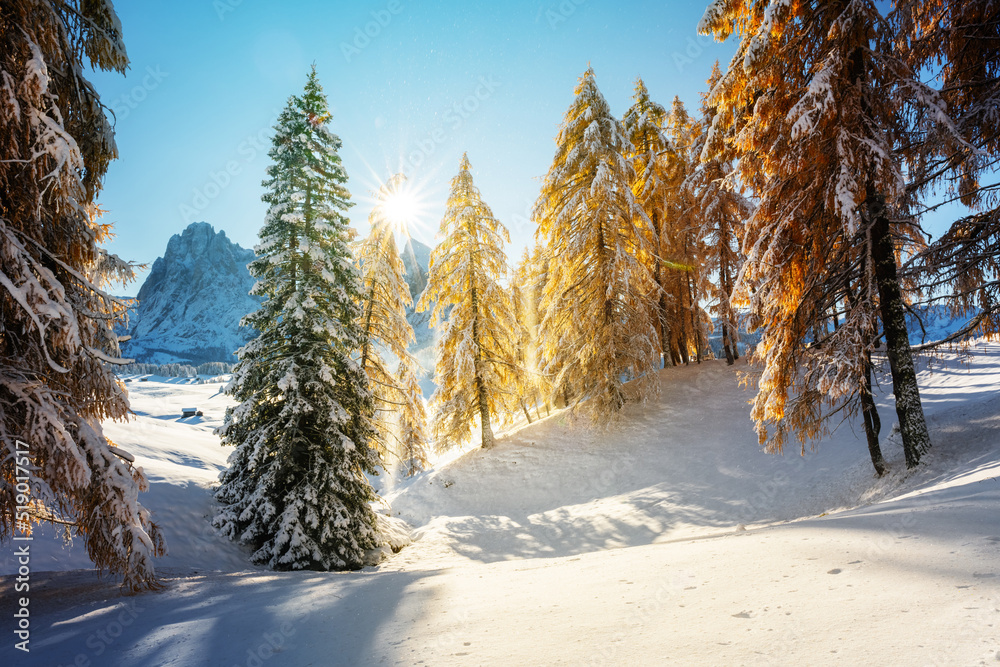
666,539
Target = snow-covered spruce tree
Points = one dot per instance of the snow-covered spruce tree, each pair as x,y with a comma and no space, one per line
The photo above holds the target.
530,277
57,340
960,43
385,296
476,353
655,164
721,210
819,99
597,329
414,443
296,489
682,246
525,375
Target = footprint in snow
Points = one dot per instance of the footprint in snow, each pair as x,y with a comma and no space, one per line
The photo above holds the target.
835,570
742,614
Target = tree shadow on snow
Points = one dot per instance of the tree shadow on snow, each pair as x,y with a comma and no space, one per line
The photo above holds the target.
242,618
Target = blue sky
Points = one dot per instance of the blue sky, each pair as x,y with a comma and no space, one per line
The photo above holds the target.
412,85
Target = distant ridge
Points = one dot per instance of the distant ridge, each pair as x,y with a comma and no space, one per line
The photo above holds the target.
190,306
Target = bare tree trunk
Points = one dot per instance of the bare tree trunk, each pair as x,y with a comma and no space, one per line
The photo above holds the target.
912,425
662,309
725,344
665,331
481,395
682,335
695,330
524,408
873,425
726,288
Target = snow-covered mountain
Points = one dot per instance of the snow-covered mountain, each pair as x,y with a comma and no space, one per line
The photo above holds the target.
190,307
417,260
926,324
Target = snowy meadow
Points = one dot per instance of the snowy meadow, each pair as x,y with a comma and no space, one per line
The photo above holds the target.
669,539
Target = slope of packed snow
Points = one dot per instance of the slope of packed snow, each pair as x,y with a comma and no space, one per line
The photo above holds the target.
182,459
666,539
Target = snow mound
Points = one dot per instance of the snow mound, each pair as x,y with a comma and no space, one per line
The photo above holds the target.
687,466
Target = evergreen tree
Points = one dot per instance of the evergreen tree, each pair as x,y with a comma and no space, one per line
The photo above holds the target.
413,436
476,353
960,43
57,340
523,294
296,489
597,328
682,245
722,211
530,278
385,295
654,162
818,98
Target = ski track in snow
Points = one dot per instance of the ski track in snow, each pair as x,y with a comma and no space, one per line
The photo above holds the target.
668,538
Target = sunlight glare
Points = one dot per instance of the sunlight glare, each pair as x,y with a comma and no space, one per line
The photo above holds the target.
400,207
401,204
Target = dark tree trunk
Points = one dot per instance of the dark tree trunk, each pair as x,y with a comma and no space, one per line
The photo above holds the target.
912,425
481,394
873,425
725,345
524,408
662,312
695,330
668,357
725,285
683,336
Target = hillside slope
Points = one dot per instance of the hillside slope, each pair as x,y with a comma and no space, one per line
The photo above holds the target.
668,539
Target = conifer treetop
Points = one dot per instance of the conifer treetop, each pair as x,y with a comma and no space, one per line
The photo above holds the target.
596,328
476,354
296,490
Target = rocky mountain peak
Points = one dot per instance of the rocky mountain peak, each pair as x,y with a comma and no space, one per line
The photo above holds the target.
190,306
